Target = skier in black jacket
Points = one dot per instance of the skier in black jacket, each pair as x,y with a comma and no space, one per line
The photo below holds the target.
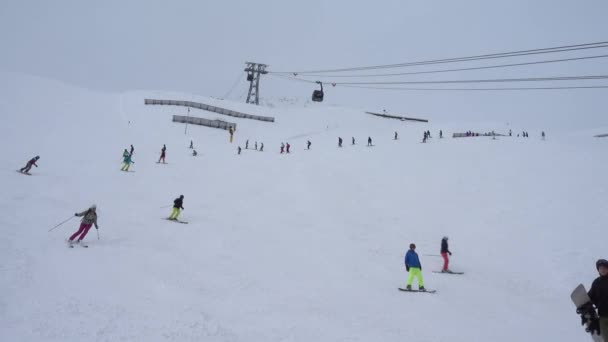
599,296
177,205
444,253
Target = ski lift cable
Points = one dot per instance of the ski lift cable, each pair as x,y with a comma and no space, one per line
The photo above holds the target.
238,80
498,80
459,69
477,89
459,59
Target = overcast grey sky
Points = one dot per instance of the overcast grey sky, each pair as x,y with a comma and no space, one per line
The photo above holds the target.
201,46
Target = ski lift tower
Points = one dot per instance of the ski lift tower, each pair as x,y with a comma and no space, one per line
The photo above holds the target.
254,72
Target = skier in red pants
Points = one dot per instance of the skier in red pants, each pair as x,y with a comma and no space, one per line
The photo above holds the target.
444,253
89,218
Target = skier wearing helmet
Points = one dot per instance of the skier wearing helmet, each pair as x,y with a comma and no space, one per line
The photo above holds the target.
177,205
89,218
599,295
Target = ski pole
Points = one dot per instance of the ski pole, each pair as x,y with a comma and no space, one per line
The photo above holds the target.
97,229
71,217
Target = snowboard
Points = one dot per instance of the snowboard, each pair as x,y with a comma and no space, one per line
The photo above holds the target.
24,173
178,221
414,290
580,297
449,272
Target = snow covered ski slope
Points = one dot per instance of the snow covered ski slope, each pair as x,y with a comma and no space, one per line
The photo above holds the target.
307,246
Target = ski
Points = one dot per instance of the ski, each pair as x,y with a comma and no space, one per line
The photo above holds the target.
24,173
178,221
449,272
425,291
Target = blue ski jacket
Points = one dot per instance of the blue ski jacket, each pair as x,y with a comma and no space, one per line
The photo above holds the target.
411,259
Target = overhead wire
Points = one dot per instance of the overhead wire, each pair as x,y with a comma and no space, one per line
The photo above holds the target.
458,59
479,89
458,69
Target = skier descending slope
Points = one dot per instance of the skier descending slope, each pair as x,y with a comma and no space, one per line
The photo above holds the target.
162,154
28,166
599,296
413,266
89,218
127,161
177,205
444,254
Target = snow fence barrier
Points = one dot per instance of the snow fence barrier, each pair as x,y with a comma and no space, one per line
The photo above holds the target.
210,108
204,122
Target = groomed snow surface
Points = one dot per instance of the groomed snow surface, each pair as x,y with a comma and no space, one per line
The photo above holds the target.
301,247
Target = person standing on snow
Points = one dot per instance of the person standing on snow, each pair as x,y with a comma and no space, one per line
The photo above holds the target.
353,140
28,166
444,254
191,145
282,148
262,147
89,218
599,296
339,142
126,161
287,147
247,144
308,143
177,205
396,135
132,150
369,141
413,266
162,154
440,134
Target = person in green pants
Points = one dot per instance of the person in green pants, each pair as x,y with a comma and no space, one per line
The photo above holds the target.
413,266
177,205
127,161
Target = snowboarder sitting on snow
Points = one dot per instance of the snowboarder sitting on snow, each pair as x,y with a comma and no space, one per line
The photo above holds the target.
413,266
599,297
194,153
177,205
89,218
444,253
28,166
